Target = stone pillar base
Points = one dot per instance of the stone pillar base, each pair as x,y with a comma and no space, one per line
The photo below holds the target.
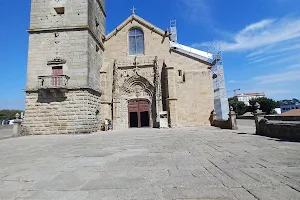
78,112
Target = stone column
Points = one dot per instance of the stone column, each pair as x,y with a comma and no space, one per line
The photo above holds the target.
258,115
17,126
172,100
213,117
232,119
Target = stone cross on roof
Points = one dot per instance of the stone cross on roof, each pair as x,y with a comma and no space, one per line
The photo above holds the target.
133,9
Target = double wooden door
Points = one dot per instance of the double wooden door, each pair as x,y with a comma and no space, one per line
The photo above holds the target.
138,114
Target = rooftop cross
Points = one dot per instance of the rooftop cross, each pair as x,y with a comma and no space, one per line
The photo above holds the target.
133,9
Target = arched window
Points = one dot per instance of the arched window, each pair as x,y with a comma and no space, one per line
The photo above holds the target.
136,41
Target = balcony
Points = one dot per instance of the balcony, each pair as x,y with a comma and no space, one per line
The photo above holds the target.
53,82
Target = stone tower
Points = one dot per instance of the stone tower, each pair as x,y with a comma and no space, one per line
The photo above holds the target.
64,62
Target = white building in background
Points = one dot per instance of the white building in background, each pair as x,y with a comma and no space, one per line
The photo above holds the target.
246,97
278,110
286,108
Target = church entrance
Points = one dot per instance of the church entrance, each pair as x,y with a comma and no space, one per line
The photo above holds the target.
139,114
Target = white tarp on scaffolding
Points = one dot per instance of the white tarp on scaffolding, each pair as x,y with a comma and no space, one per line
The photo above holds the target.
221,101
191,51
221,108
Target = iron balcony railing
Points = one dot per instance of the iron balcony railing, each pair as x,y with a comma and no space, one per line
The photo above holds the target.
52,82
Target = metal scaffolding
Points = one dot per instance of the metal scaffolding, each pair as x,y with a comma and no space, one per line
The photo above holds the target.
173,30
221,101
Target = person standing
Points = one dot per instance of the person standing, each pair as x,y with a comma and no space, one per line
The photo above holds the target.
109,125
106,124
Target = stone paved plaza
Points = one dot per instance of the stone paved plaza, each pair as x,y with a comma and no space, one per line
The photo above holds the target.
6,132
189,163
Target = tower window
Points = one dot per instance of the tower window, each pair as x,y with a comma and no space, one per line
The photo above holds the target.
97,48
136,41
60,10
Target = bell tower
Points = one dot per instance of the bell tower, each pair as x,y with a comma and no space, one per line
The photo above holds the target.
64,60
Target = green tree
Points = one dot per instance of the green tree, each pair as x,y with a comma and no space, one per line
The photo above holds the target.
238,106
266,105
8,114
241,108
233,101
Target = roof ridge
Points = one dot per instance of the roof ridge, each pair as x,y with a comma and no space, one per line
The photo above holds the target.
139,20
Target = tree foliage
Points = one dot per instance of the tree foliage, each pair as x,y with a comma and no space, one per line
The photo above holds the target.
266,105
9,114
238,106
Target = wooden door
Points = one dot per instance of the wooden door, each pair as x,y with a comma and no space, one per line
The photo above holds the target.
56,72
137,110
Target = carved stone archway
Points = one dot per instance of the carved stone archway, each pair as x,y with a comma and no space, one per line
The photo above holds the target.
135,87
137,84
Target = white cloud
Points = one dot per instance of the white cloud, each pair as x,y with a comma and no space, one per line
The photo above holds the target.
261,59
268,57
274,49
278,91
293,66
263,33
252,28
232,81
195,10
288,76
281,61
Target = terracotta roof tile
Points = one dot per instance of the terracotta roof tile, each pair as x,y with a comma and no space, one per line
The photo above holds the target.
294,112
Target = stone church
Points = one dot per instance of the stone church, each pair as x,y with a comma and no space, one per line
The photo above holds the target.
78,76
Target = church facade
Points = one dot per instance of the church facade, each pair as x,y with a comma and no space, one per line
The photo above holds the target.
78,76
140,67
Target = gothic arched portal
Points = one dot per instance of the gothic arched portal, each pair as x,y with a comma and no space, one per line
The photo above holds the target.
137,84
136,108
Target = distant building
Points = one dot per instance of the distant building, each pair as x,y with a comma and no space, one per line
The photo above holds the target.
286,108
278,110
246,97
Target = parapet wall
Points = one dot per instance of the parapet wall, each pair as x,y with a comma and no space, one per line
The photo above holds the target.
283,118
281,130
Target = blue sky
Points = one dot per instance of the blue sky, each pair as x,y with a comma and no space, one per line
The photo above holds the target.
260,40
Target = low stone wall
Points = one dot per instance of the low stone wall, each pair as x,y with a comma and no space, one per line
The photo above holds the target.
231,123
277,129
283,118
245,117
223,124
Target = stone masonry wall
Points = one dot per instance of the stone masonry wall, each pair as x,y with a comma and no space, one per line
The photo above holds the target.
73,37
43,14
71,46
94,64
193,90
76,113
96,22
96,16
